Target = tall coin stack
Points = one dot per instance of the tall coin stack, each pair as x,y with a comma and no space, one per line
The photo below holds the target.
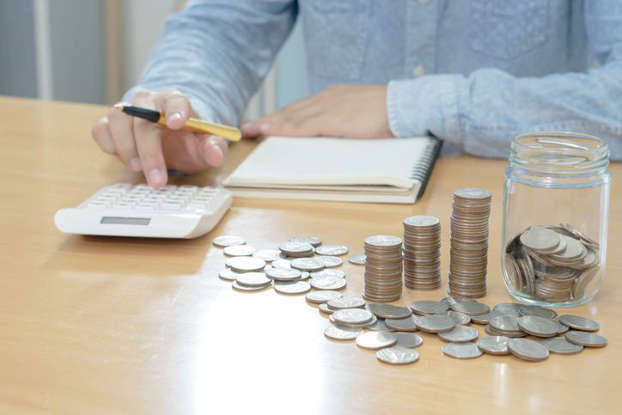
422,252
469,243
383,268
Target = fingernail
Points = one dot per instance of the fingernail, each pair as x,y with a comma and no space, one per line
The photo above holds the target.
265,127
136,164
247,127
174,116
155,177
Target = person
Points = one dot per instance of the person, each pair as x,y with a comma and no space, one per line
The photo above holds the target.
474,73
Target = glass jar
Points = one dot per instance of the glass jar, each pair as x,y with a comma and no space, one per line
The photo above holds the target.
555,214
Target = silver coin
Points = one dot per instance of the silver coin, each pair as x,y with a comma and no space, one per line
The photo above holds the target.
228,240
540,239
329,273
253,279
422,221
485,318
239,250
383,310
227,274
383,240
341,333
536,310
397,355
497,345
507,308
435,323
472,193
352,316
579,323
241,287
408,339
320,297
281,263
245,263
283,274
329,261
346,301
379,325
505,323
562,328
459,318
538,326
424,307
470,307
528,350
402,324
459,334
376,340
331,250
511,334
461,350
292,287
365,325
296,248
311,240
448,300
357,259
561,346
586,339
328,283
324,309
268,255
307,264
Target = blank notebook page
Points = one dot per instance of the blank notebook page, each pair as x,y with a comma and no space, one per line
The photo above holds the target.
331,161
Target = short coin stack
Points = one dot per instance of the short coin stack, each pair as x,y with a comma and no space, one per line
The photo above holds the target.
469,243
552,263
422,252
383,268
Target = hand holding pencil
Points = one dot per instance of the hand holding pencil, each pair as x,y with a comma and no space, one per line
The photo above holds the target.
175,140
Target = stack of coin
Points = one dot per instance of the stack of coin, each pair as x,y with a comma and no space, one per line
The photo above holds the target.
469,243
383,268
552,263
422,252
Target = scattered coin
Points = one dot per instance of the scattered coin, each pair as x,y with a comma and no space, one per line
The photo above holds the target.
461,350
304,275
538,326
425,307
579,323
435,323
329,273
497,345
561,346
346,301
470,307
493,332
536,310
281,263
253,279
227,274
408,339
296,249
341,333
351,316
365,325
292,287
506,324
459,334
268,255
485,318
379,325
245,264
383,310
329,261
376,340
357,259
307,264
320,297
507,308
331,250
528,350
328,283
324,309
228,240
241,287
586,339
311,240
402,324
397,355
459,318
283,274
239,250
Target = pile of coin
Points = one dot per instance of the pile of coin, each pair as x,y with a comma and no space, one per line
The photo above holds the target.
469,243
383,268
422,252
551,263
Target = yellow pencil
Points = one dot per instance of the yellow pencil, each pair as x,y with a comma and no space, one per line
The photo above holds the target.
192,124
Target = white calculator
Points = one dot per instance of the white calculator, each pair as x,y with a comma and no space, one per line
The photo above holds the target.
123,209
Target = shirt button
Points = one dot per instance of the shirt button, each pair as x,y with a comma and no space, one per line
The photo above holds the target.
418,71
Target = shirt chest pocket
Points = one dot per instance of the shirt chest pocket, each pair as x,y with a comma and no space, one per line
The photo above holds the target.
335,36
508,29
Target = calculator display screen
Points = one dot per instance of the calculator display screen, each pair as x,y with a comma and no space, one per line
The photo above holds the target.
119,220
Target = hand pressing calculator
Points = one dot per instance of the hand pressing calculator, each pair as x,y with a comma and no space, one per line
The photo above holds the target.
123,209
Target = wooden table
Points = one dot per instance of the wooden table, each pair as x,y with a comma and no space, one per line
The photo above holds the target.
113,325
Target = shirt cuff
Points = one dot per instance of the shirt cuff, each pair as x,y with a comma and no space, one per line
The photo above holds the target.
426,105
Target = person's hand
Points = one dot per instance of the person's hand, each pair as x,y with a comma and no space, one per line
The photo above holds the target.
340,111
145,146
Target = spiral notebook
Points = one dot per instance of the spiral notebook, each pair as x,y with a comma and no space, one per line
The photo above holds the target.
370,170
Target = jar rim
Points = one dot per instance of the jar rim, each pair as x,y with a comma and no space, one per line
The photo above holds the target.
559,152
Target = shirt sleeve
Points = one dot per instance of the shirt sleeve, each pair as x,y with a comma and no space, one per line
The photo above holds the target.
217,52
483,112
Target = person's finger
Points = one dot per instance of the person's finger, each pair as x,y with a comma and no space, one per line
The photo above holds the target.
102,136
120,126
149,145
176,107
265,125
213,150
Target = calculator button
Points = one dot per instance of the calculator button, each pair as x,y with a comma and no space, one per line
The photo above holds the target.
97,205
171,206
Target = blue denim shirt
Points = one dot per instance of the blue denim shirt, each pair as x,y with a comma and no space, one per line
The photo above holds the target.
473,72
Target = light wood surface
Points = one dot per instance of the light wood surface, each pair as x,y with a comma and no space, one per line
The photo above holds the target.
111,325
